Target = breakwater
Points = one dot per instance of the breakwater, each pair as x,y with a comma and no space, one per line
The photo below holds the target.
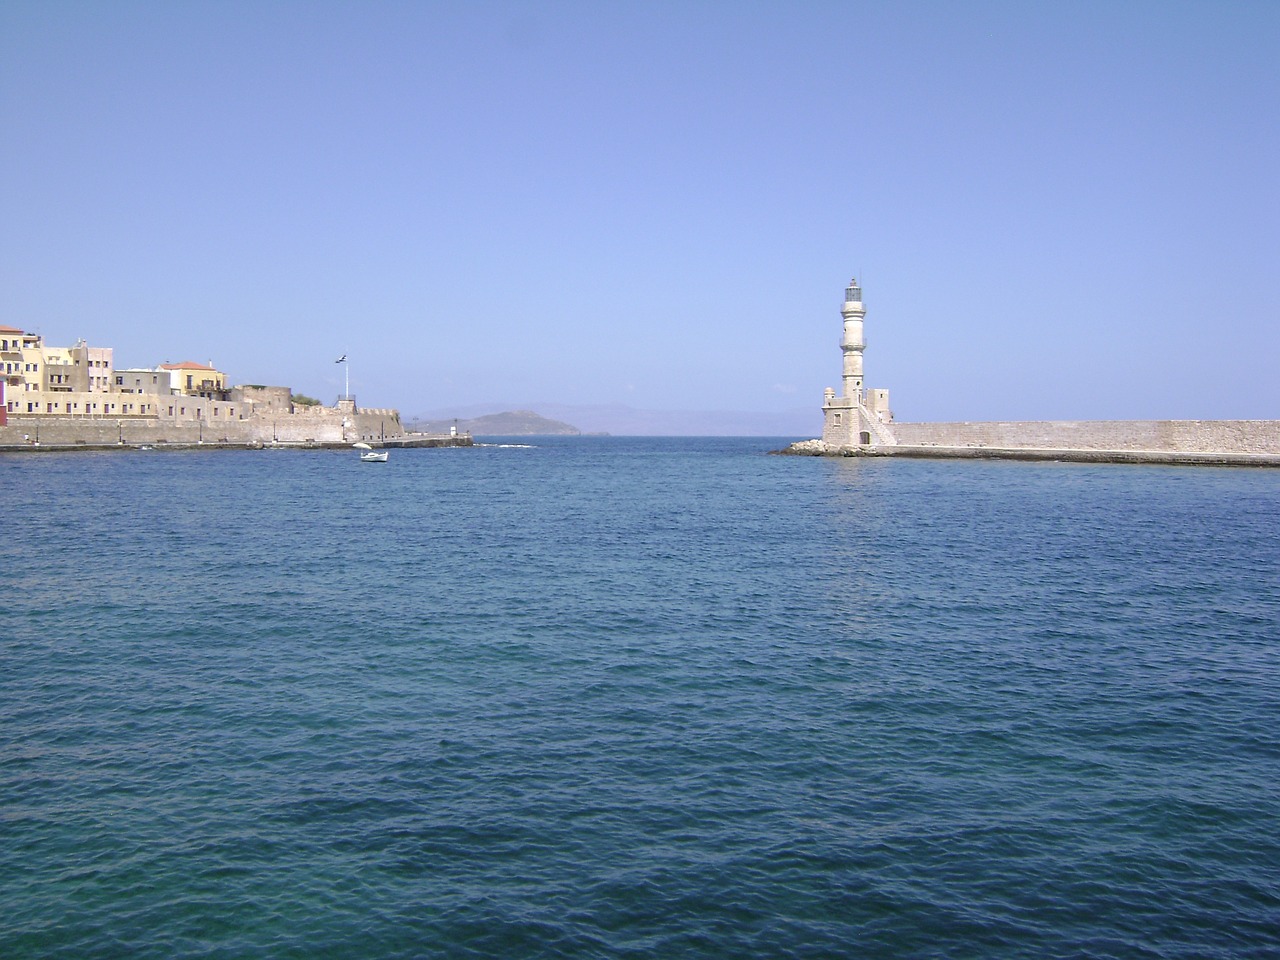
1214,442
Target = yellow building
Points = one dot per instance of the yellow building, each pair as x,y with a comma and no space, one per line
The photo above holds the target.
22,367
197,380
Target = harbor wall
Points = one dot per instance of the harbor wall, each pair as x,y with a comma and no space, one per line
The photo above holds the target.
1168,436
373,425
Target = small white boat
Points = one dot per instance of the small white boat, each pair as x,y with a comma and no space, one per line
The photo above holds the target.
370,455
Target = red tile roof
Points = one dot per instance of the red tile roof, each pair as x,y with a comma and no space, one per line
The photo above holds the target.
187,365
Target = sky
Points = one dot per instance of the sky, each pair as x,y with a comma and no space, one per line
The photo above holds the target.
1056,210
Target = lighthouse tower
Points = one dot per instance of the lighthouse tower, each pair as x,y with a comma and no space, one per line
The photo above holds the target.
857,417
852,344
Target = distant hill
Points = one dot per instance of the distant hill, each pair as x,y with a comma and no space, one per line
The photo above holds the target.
512,423
620,421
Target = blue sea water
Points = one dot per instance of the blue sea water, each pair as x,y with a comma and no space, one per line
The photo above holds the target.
606,697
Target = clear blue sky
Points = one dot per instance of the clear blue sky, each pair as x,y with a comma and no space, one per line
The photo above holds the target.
1056,209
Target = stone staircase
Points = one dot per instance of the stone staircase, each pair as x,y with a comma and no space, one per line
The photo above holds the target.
883,436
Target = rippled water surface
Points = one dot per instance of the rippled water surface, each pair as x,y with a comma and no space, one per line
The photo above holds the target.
636,698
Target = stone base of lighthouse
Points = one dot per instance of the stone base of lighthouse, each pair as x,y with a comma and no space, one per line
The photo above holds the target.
860,421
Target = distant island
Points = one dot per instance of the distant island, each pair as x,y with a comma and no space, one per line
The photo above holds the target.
511,423
620,420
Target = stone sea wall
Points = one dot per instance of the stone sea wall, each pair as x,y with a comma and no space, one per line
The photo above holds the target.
373,425
1211,442
1258,437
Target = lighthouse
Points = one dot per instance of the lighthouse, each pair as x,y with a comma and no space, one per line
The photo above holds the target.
858,417
852,344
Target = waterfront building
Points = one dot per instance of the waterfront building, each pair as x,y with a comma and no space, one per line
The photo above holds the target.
197,379
81,382
75,395
857,417
21,364
10,354
149,380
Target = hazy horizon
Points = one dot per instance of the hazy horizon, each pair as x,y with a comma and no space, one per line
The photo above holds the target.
1056,212
622,420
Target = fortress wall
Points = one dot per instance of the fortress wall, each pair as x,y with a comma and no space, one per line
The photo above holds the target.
70,430
1183,436
286,428
374,425
263,400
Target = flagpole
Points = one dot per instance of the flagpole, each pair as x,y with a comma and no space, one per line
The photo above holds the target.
346,373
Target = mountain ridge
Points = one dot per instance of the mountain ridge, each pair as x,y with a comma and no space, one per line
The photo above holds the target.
507,423
621,420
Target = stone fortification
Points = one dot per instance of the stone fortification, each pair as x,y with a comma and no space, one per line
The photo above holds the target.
1226,442
264,400
323,425
1172,436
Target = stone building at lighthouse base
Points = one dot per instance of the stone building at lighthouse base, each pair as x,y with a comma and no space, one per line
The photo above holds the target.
861,421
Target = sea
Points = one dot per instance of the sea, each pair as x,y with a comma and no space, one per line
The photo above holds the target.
597,697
